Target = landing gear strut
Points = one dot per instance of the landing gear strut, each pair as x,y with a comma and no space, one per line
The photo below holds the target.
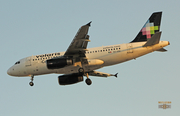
32,78
81,72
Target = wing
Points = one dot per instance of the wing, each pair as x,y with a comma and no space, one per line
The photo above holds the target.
101,74
79,44
80,41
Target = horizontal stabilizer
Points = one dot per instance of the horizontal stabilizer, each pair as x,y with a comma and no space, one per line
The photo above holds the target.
161,50
154,40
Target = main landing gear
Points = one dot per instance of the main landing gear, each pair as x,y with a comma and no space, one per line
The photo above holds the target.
88,81
81,72
32,78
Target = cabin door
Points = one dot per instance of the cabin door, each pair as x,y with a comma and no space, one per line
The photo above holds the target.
28,61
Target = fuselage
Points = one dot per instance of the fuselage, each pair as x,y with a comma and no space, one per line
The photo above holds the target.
97,57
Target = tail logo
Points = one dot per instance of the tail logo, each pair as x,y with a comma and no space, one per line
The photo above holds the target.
149,29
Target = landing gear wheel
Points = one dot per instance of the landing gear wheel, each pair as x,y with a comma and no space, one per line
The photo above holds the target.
88,82
32,78
81,71
31,83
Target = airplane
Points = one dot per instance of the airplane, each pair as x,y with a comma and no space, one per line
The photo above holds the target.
78,61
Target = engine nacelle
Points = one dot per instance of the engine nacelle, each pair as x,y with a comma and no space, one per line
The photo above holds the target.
69,79
58,63
95,62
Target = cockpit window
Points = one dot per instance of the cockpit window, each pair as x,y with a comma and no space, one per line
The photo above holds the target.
18,62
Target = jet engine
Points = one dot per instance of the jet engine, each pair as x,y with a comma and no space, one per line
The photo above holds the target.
58,63
69,79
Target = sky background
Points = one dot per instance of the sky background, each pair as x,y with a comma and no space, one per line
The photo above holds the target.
35,27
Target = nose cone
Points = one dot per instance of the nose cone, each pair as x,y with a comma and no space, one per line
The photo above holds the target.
17,71
9,72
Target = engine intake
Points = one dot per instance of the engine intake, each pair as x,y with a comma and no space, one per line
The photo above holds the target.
58,63
69,79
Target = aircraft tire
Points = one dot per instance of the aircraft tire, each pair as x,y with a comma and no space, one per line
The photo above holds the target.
88,81
31,83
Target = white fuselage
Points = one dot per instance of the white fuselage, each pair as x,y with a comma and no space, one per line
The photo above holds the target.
97,58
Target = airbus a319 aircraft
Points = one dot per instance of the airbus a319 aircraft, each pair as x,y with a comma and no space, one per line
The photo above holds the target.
78,61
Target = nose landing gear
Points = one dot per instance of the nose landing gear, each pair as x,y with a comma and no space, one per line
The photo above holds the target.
32,78
31,83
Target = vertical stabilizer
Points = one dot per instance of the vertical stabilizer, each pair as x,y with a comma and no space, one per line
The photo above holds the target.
150,28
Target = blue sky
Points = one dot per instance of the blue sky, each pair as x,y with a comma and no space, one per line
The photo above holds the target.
38,27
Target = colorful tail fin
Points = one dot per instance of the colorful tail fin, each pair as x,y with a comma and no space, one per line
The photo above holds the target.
150,28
